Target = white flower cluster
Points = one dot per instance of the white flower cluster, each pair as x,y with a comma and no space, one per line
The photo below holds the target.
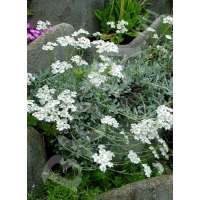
53,110
81,42
60,67
49,46
110,121
155,36
41,25
159,167
30,78
105,47
105,58
66,41
111,24
96,78
121,26
78,60
116,70
103,158
79,32
164,117
145,131
96,34
133,157
163,148
168,20
147,170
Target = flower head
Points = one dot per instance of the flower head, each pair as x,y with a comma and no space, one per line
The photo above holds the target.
60,67
96,78
147,170
103,158
110,121
133,157
41,25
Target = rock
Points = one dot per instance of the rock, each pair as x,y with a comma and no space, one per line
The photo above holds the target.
36,157
79,13
39,59
161,7
158,188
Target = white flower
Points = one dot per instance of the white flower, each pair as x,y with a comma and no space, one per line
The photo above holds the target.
116,70
62,125
154,152
105,47
44,94
169,37
111,24
145,131
133,157
41,25
155,36
60,67
49,46
80,31
105,58
66,41
96,78
103,158
102,67
150,29
96,34
168,20
163,152
164,149
110,121
30,78
83,43
31,106
121,26
159,167
164,117
147,170
53,109
78,60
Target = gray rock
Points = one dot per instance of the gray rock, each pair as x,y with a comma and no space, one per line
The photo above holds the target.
39,59
36,157
158,188
79,13
134,47
161,7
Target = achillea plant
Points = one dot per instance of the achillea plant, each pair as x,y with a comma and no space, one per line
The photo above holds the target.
106,115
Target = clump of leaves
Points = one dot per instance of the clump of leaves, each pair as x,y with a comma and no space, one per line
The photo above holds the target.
132,11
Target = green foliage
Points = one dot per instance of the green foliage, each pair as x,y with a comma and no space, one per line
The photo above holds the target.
132,11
